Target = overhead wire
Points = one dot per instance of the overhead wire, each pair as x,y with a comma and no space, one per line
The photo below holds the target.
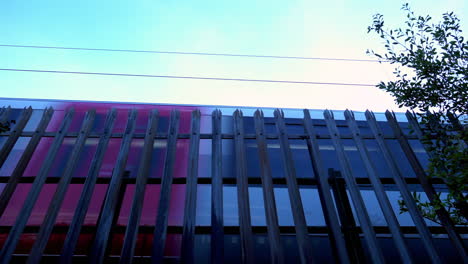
186,53
184,77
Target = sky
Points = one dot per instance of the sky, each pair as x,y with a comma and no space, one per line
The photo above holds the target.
325,29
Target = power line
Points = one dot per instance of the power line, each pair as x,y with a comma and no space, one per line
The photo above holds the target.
186,53
187,77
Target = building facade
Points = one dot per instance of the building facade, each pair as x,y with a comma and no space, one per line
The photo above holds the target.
117,182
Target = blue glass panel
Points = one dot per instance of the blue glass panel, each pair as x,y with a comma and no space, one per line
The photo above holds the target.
230,209
301,158
204,159
203,212
257,209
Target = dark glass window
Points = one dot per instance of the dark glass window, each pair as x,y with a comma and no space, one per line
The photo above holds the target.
34,120
14,156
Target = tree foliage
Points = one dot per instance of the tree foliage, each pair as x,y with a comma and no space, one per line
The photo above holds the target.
4,127
431,69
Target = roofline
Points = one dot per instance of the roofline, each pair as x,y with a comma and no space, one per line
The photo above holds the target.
168,104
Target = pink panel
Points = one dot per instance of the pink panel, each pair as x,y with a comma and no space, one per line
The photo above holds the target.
157,158
99,120
77,121
181,159
56,121
126,205
143,245
120,121
83,245
95,205
58,166
142,121
25,243
38,157
42,204
173,245
184,123
176,209
14,205
55,243
110,157
85,157
152,192
150,204
134,157
116,244
70,201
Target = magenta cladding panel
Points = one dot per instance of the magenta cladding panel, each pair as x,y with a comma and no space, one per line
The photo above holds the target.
65,216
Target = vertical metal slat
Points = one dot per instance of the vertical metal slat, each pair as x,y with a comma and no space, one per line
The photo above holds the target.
23,162
83,203
247,253
160,231
188,233
356,197
404,190
39,180
54,207
303,241
131,232
115,219
345,212
38,133
274,239
460,204
4,114
2,110
443,215
329,212
110,203
379,190
453,120
217,223
15,134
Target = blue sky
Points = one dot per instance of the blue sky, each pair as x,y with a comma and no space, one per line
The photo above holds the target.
290,28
